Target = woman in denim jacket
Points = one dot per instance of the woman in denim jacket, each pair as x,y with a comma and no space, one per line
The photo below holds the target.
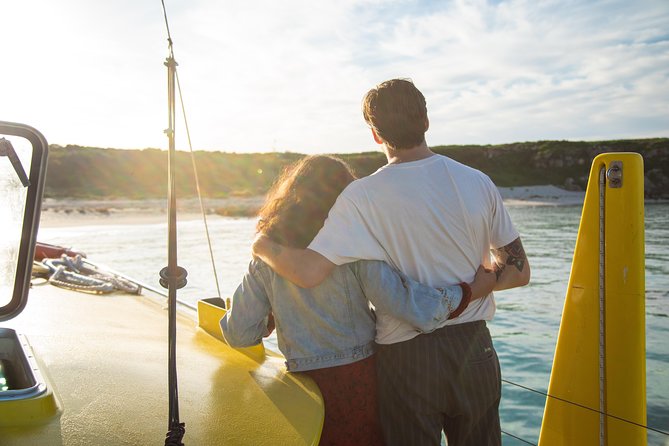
327,332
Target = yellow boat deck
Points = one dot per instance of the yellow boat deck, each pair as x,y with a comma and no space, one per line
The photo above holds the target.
105,357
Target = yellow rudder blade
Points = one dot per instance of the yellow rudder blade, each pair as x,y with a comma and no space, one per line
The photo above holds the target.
572,412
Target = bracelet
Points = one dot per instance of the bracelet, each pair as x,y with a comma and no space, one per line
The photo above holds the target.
466,298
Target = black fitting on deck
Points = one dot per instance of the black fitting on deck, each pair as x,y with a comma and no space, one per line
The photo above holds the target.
180,278
175,435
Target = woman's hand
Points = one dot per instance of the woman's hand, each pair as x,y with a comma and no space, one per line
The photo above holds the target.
271,324
484,282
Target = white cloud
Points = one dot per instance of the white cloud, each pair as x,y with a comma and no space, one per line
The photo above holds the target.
518,71
290,75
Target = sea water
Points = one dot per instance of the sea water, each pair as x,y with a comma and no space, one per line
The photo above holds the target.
525,326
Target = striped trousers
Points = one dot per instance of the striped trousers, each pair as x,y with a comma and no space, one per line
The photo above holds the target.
448,379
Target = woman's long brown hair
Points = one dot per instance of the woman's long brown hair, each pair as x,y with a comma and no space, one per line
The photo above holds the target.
299,201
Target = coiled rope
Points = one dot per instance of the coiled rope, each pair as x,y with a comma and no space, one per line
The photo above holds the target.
76,274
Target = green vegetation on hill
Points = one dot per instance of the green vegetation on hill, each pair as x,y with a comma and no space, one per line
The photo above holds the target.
87,172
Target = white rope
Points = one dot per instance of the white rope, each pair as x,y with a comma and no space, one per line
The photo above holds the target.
197,187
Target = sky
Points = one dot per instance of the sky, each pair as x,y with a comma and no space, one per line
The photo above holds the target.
290,75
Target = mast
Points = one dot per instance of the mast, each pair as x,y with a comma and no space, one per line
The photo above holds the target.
173,276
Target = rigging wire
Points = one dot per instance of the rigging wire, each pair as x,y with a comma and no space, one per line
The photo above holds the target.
518,438
190,145
197,187
167,26
587,408
602,307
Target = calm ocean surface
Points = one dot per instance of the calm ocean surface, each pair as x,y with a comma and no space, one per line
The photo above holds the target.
525,326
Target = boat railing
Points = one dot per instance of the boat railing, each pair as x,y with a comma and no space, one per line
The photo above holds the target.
577,405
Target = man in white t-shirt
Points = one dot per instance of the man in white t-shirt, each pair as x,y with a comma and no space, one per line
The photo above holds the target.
436,220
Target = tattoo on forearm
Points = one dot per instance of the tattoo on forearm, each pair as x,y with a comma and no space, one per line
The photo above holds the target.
511,254
516,254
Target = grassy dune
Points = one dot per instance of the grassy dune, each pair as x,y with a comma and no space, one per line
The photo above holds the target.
95,173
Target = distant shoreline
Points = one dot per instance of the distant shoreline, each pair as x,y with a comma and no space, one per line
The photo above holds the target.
63,212
77,212
540,196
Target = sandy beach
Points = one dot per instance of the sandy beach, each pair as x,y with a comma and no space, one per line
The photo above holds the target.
540,196
77,212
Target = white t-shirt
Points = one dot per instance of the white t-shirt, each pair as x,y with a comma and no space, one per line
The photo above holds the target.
434,219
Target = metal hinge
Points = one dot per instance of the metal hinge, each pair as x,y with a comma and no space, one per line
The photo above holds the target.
615,174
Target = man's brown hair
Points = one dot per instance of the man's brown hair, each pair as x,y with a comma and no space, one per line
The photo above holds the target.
397,112
299,201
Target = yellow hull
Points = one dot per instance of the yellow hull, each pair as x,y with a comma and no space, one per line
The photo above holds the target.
581,386
105,361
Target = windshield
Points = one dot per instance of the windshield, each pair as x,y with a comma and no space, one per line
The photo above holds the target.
13,196
23,152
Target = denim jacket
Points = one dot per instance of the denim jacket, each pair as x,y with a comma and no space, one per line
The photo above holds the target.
331,324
